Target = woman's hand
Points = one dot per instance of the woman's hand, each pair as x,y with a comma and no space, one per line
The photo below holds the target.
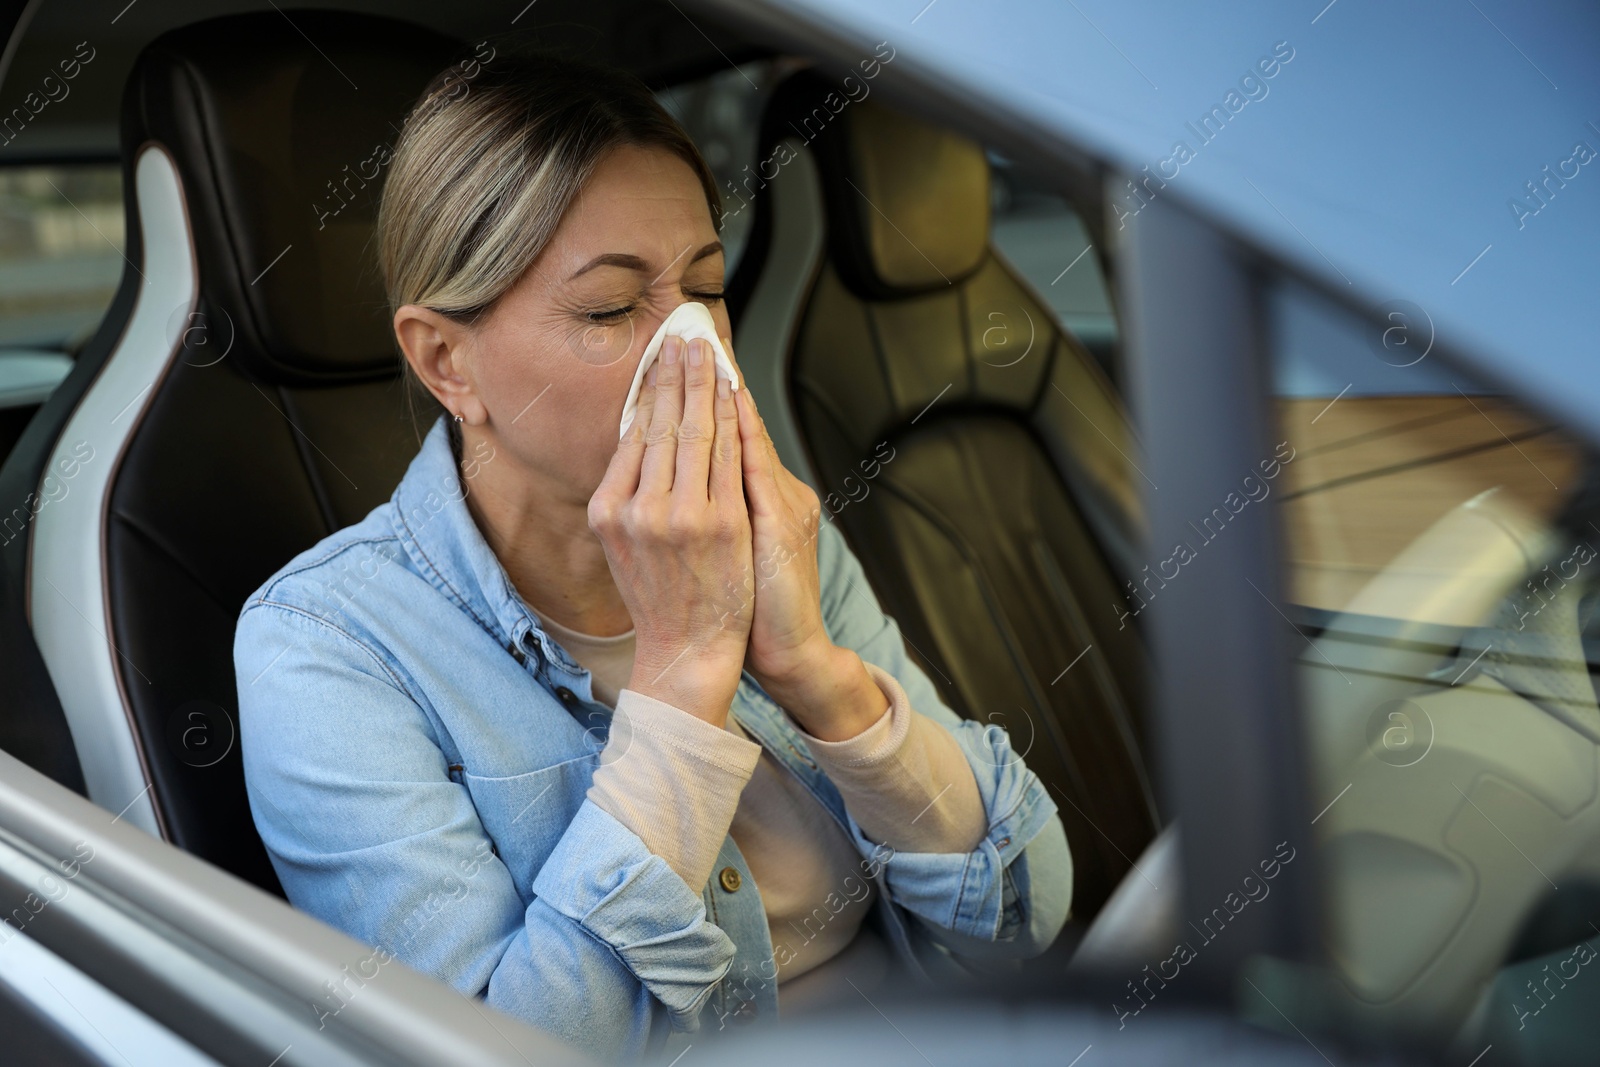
824,687
670,513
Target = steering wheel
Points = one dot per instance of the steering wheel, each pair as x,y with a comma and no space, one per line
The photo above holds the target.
1456,738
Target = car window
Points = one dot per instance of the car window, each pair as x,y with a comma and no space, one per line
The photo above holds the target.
61,245
1045,241
1442,557
722,113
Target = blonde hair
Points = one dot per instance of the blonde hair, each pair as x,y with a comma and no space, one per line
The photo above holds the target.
485,168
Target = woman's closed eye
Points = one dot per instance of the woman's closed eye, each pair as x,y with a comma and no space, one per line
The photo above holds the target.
612,314
617,314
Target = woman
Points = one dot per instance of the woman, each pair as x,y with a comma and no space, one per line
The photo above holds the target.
611,734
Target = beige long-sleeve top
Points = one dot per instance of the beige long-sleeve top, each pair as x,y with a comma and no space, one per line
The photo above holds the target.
682,785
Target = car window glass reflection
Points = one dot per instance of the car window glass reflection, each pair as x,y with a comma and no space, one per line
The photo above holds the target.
1441,554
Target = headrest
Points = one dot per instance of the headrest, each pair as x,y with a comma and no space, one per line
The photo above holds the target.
907,202
281,125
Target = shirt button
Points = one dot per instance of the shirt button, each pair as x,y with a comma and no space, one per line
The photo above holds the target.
518,655
731,881
747,1009
567,696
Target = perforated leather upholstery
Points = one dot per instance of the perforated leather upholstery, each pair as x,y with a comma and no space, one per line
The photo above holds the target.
990,532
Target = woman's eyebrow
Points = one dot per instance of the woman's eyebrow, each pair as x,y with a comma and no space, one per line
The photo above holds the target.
611,259
632,262
709,250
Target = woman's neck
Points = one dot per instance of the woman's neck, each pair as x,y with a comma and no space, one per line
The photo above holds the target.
541,536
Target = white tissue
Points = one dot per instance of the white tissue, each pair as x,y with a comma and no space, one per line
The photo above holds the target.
687,321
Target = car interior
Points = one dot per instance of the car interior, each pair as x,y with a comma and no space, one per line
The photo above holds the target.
1449,682
198,380
239,407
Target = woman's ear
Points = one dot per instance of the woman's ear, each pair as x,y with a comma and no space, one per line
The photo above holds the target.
437,346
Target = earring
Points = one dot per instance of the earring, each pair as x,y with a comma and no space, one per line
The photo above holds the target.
458,420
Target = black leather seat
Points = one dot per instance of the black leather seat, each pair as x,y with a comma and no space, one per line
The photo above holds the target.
252,361
871,299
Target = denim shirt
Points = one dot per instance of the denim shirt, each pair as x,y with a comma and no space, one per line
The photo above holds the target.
417,750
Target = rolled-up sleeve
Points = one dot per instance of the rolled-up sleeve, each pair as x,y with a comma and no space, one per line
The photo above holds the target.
1009,896
602,878
354,801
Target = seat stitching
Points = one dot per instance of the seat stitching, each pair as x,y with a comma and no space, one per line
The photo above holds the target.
319,487
1005,631
158,543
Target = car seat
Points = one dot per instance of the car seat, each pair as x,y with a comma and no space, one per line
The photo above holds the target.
972,451
240,401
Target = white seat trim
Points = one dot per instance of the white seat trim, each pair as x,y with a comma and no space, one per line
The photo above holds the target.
67,591
766,331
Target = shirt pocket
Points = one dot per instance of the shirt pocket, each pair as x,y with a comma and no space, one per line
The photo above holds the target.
526,814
